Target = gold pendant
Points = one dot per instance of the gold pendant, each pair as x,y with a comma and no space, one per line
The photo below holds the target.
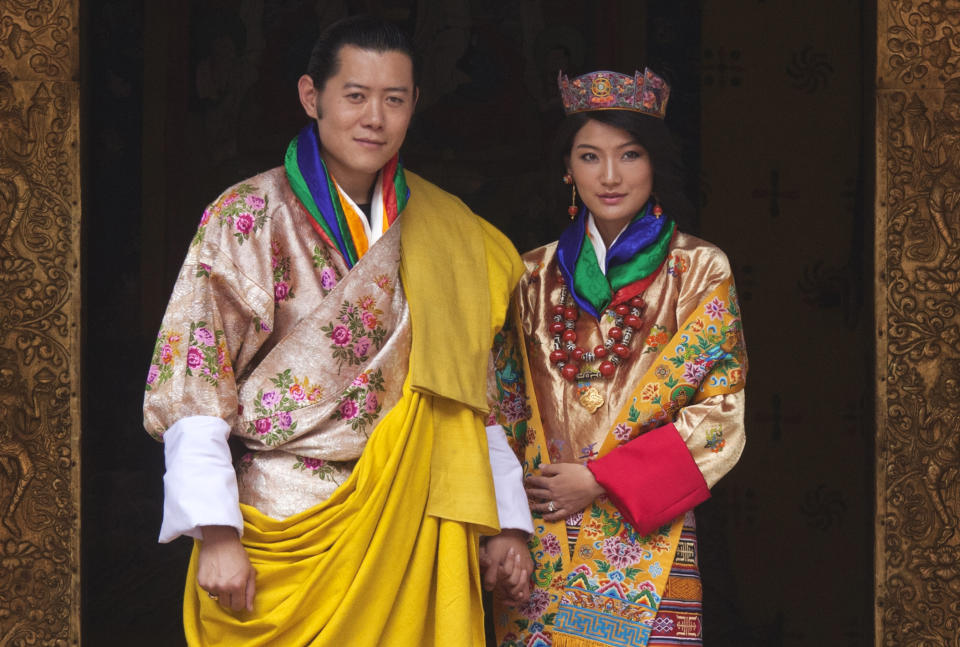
591,399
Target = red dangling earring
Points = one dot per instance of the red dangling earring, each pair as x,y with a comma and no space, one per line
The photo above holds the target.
573,209
657,209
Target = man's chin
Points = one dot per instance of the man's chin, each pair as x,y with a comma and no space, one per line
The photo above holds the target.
370,163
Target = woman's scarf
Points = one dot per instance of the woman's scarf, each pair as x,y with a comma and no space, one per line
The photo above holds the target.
632,261
334,216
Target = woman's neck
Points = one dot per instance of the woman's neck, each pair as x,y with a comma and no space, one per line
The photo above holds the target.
609,230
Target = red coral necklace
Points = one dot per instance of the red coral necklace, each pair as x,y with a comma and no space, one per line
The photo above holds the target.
567,355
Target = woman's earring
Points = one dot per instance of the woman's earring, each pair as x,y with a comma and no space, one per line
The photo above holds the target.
657,209
573,209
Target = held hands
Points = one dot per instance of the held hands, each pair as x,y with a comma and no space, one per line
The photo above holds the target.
224,570
562,489
507,566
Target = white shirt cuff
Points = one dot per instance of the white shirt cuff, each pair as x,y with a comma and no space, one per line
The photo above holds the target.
200,484
512,505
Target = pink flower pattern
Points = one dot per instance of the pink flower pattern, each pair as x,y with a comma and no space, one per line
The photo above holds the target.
551,544
538,602
360,403
715,309
242,209
371,404
315,466
620,554
245,223
348,410
282,275
341,336
276,406
207,355
622,431
356,332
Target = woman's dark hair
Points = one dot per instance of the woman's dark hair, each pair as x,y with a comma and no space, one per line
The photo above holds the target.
652,134
365,32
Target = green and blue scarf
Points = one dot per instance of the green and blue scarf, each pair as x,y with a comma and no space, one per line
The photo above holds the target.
633,260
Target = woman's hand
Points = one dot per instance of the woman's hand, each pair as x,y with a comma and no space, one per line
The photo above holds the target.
561,490
224,570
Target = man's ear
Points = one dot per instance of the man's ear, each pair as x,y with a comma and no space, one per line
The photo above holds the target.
416,95
308,96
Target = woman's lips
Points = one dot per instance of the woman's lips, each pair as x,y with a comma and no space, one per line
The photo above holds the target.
611,198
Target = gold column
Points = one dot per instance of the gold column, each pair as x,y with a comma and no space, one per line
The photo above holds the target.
918,323
39,323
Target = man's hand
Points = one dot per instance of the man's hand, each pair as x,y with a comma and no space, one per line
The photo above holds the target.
507,565
224,570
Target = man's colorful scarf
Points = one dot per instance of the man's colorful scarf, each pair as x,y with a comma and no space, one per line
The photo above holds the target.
606,592
632,261
334,216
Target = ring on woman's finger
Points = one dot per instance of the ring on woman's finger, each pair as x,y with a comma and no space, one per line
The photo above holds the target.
551,507
213,596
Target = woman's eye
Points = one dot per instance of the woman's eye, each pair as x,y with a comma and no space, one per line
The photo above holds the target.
588,157
632,155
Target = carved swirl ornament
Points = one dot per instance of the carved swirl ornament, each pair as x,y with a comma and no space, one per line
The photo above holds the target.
918,448
39,310
39,33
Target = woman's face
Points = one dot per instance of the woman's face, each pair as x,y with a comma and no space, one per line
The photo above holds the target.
613,173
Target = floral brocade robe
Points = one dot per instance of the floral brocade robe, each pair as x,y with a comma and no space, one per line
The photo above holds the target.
692,270
263,332
712,430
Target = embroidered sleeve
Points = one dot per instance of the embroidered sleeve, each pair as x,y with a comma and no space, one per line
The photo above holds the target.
217,317
506,429
506,394
651,479
668,470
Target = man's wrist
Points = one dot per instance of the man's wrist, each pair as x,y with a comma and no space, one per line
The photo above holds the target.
218,533
515,532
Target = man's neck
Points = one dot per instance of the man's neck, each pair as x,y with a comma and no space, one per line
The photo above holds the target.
361,192
359,186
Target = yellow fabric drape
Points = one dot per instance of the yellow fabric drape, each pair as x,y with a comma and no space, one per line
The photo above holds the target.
367,567
448,309
458,302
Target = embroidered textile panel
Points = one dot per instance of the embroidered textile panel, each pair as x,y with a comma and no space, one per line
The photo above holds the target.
918,324
39,323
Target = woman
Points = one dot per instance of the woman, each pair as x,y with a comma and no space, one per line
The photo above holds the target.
635,361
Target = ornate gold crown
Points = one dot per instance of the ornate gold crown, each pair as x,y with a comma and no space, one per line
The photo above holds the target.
644,92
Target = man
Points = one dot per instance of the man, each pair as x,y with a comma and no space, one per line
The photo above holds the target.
336,317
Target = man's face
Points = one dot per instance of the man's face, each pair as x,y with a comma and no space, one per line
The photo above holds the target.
362,114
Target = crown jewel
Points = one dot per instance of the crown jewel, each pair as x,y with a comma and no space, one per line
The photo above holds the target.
602,90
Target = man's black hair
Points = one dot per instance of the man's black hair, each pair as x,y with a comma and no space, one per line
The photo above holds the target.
365,32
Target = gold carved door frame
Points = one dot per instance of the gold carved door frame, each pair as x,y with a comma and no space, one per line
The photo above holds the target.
39,323
917,254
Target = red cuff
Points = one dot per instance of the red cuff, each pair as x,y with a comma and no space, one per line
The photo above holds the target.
652,479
